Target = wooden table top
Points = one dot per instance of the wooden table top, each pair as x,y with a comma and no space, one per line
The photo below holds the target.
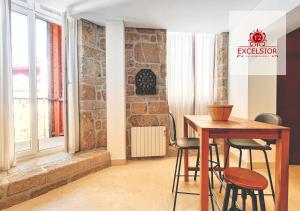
205,122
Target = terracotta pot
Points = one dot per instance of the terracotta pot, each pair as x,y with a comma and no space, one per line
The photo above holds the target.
220,112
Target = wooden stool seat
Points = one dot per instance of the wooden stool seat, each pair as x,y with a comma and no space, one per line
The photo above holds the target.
245,178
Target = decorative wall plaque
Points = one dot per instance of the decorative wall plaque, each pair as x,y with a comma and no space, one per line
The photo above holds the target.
145,82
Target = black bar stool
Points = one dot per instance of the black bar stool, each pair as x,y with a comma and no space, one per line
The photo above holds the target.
173,142
248,181
182,144
250,144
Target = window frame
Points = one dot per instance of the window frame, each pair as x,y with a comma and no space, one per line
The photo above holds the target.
27,9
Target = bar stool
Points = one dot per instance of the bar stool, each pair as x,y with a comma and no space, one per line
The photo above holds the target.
247,181
250,144
182,144
193,144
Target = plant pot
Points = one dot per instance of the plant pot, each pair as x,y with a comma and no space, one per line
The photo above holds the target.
219,112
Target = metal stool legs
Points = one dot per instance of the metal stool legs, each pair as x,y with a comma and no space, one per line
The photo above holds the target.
254,200
197,164
245,192
251,167
178,175
269,174
174,178
244,198
226,198
240,160
217,162
225,165
250,153
262,200
211,167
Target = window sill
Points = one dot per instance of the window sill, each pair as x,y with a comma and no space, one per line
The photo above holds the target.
45,153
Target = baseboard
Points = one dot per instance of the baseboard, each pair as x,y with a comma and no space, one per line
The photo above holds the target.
118,162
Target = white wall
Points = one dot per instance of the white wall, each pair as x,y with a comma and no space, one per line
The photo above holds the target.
237,84
252,95
115,82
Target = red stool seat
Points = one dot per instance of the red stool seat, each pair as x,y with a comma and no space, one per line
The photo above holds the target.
245,178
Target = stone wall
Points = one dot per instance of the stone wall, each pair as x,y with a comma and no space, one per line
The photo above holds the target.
92,85
145,48
221,69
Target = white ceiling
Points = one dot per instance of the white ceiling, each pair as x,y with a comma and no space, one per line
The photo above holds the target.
173,15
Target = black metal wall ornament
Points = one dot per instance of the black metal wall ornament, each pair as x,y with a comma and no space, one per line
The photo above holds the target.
145,82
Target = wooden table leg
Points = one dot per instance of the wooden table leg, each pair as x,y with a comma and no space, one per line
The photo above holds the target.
226,152
186,154
282,171
204,152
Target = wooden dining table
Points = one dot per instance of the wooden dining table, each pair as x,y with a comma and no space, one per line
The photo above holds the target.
241,129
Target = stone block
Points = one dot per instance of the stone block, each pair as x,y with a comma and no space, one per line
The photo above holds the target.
158,107
131,79
91,80
135,99
93,53
68,169
92,105
146,31
3,187
138,108
100,114
15,199
26,183
101,31
87,92
88,33
48,188
87,132
101,138
164,120
101,159
104,124
130,30
147,53
98,125
130,90
90,67
153,38
102,44
103,92
143,120
128,46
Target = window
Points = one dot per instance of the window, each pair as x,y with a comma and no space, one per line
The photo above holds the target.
37,82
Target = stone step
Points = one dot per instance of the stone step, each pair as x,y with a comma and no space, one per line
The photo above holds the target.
31,179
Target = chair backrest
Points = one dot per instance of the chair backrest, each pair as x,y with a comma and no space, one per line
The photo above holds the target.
172,128
269,118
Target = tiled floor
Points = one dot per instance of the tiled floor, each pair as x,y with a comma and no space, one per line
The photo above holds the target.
141,185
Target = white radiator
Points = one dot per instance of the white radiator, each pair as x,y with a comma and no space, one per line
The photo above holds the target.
148,141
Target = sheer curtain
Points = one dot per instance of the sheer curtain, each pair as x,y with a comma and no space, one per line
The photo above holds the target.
6,105
204,71
71,71
180,62
190,64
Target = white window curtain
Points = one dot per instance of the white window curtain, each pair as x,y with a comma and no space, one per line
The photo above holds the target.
7,152
180,79
190,64
204,71
71,70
